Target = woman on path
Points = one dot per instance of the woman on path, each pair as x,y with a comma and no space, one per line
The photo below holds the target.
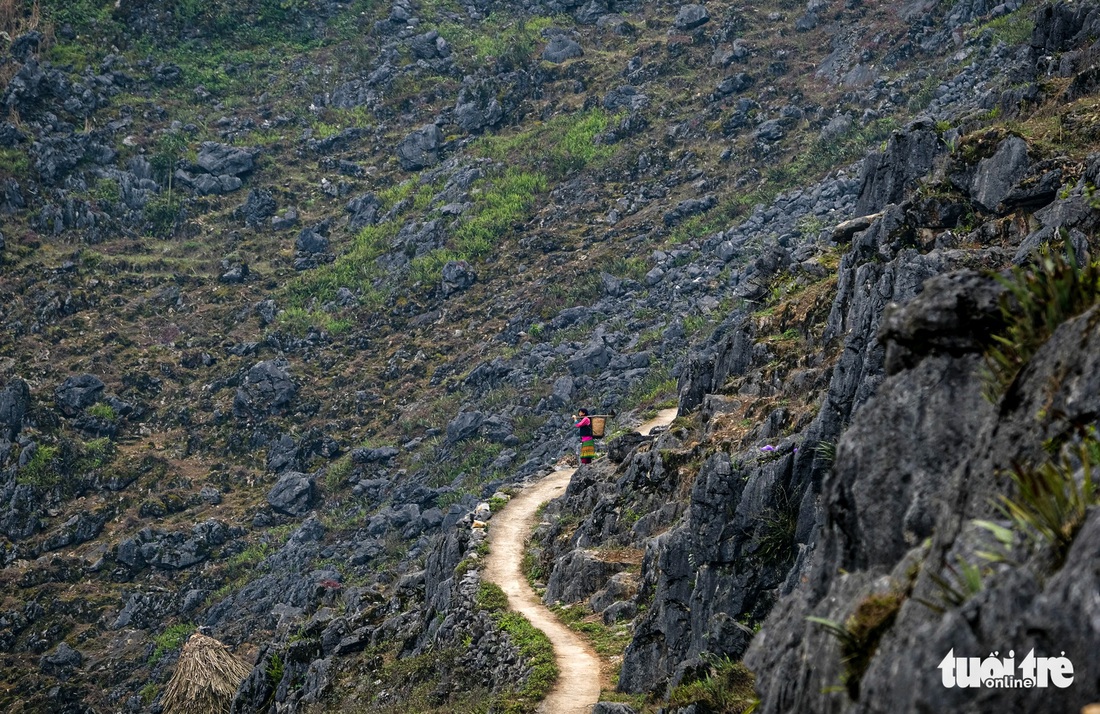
584,428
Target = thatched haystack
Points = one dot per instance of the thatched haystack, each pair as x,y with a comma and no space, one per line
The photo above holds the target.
206,678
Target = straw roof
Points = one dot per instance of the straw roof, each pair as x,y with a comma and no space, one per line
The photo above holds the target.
206,678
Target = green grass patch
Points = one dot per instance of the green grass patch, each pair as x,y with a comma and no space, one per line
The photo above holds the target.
533,645
42,470
608,641
508,40
656,388
727,687
102,411
1012,29
14,162
563,145
171,639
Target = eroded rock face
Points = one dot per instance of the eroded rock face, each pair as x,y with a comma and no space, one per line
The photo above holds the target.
948,462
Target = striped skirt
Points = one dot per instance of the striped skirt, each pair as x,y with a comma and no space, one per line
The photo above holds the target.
588,449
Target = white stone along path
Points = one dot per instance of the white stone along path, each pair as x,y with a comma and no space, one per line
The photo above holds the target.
578,686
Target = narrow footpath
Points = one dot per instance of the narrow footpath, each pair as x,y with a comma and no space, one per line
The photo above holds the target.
578,687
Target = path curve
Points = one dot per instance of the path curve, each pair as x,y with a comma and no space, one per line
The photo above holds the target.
578,686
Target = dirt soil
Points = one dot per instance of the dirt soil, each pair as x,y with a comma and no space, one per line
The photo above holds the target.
578,687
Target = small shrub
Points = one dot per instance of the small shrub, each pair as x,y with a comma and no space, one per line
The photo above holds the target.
1038,298
955,586
727,688
776,539
97,453
102,411
1051,503
274,669
860,634
338,473
42,470
826,451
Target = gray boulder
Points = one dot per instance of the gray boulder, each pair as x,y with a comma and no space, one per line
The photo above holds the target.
363,211
577,576
689,207
209,184
625,97
222,160
310,241
259,206
464,426
293,494
771,130
420,149
267,389
561,48
457,276
733,85
996,176
612,708
691,16
282,455
591,360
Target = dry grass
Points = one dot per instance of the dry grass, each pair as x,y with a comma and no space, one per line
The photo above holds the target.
16,20
206,678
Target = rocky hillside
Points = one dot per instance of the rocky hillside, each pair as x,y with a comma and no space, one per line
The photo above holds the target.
295,293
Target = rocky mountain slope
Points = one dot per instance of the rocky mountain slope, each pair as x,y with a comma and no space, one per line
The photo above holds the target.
293,290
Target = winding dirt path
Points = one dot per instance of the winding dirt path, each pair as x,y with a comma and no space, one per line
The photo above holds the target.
578,685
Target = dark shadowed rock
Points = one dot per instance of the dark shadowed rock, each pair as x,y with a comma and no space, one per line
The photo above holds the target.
293,494
61,662
886,176
77,393
15,399
955,313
